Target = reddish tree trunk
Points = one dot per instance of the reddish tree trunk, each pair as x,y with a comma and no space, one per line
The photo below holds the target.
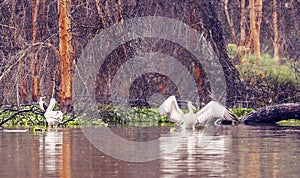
34,58
254,27
243,24
275,42
65,50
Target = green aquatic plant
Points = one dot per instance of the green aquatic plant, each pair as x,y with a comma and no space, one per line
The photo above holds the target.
109,114
241,111
289,122
21,117
123,114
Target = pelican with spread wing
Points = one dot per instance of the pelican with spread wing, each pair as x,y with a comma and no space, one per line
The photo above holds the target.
211,112
53,118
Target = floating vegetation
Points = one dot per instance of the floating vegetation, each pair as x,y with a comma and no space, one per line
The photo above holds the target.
289,123
123,115
24,117
241,111
32,117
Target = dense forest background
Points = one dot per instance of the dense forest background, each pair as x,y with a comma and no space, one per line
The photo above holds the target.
41,41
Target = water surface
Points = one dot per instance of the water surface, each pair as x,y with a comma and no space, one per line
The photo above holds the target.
234,151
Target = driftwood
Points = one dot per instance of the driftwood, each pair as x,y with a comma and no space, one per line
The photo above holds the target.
273,114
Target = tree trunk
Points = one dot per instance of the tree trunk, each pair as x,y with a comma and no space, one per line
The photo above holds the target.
34,57
200,15
65,51
273,114
253,29
230,22
24,83
275,42
236,90
294,16
243,24
258,11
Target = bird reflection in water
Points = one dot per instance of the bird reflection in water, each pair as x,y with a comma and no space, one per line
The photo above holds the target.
201,152
199,148
50,152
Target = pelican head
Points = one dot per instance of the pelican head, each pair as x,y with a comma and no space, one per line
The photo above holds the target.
42,105
190,106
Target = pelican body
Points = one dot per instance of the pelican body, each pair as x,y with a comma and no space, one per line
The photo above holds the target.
53,118
209,113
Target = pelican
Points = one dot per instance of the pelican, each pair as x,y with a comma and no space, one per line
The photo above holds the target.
53,118
42,104
211,112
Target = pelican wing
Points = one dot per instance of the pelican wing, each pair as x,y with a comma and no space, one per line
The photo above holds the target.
214,110
170,107
51,105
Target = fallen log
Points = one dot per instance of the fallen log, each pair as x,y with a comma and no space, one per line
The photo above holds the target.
273,114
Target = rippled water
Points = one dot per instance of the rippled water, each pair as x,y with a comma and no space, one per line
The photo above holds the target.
235,151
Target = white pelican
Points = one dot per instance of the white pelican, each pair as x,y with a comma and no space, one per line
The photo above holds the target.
211,112
42,104
52,117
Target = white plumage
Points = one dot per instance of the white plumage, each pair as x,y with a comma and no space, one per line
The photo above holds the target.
52,117
42,104
209,113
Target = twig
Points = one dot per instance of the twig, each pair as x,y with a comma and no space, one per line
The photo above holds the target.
69,120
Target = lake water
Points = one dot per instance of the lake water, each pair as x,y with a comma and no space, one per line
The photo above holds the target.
233,151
